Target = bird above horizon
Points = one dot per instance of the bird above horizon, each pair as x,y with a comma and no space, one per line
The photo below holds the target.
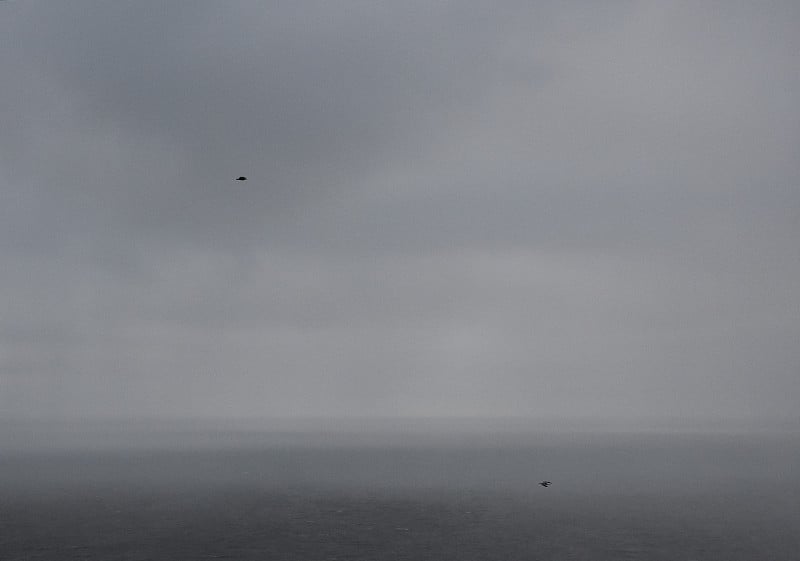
241,178
545,483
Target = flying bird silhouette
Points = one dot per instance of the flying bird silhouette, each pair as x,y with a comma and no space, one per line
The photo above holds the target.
546,483
241,178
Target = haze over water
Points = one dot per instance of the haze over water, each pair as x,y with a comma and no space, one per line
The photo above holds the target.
377,489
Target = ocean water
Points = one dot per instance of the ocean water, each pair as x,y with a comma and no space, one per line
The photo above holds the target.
106,492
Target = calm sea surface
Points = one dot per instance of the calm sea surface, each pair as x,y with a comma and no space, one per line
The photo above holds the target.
107,492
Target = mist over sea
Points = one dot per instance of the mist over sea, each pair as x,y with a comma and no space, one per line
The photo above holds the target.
381,489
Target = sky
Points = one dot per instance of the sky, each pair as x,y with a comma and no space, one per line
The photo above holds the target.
483,209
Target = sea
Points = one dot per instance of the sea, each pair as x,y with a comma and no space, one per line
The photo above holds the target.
368,489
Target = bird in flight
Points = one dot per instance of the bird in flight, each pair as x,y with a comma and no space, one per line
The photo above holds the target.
241,178
545,483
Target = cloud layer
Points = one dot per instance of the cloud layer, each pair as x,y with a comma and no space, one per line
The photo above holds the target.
453,209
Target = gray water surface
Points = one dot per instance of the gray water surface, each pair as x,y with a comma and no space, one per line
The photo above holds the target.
195,493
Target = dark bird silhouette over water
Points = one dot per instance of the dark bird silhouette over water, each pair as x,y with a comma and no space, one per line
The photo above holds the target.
545,483
241,178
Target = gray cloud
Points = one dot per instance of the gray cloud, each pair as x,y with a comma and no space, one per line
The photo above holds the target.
452,209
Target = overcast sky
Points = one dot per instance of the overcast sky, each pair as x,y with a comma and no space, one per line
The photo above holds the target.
453,208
